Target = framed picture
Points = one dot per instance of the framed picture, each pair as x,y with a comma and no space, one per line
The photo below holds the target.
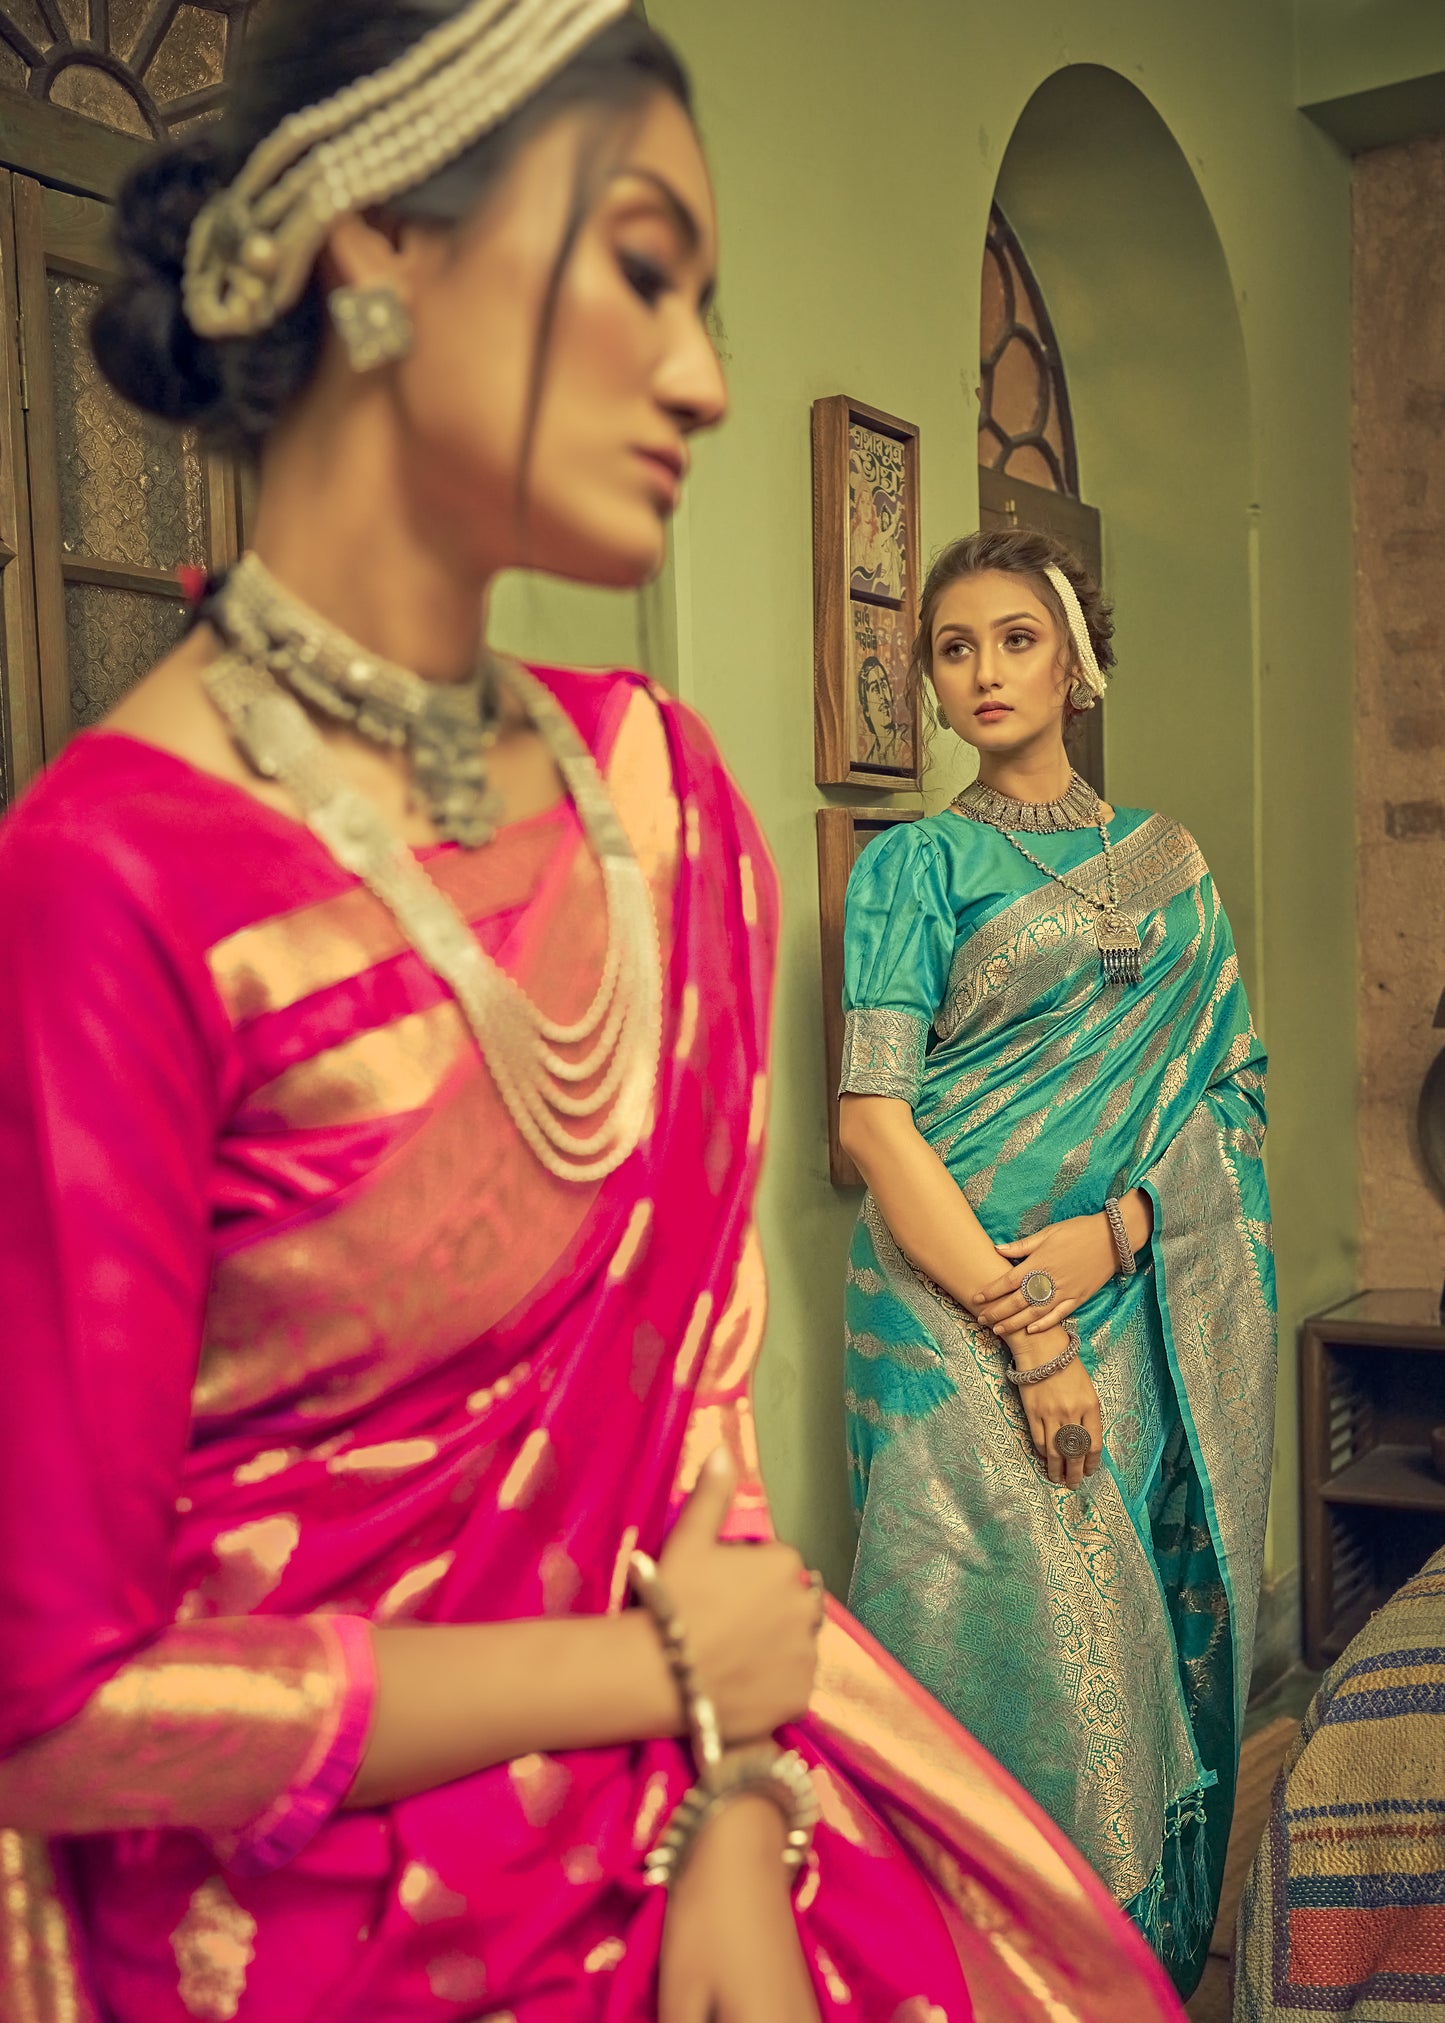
865,596
843,835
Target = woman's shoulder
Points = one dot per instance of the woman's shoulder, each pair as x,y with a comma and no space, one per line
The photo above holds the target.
119,824
1148,828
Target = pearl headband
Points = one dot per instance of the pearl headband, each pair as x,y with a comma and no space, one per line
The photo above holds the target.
253,247
1090,682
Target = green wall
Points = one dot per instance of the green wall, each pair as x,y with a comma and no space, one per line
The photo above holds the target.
1193,232
1347,46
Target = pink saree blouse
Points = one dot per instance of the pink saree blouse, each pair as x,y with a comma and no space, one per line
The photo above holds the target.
300,1338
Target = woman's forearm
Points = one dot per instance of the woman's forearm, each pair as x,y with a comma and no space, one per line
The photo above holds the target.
455,1699
923,1206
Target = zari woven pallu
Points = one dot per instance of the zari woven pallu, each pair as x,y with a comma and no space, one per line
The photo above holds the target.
302,1337
1343,1916
1097,1641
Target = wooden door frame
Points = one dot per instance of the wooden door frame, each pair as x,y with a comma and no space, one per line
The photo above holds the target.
21,723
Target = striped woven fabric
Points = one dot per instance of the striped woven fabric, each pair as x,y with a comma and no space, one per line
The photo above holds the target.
1344,1911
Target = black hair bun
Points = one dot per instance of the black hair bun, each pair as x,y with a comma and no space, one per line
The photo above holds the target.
140,336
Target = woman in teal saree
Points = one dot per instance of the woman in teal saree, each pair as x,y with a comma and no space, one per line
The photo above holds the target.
1070,1564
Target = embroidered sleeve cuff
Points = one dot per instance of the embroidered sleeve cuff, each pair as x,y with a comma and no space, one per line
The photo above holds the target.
883,1054
344,1689
259,1719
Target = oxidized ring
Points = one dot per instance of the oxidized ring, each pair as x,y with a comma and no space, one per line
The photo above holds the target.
1039,1289
1072,1443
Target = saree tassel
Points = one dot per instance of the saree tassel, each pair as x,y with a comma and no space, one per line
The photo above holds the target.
1176,1906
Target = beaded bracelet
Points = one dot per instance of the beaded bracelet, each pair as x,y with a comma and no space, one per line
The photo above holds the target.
779,1775
1021,1379
774,1773
1122,1246
648,1585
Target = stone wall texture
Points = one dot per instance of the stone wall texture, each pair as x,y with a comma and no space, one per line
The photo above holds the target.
1399,471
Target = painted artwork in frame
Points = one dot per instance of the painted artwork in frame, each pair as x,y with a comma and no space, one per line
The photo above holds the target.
865,597
843,835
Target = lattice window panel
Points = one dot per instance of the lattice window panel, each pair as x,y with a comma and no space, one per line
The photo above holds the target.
145,67
1025,428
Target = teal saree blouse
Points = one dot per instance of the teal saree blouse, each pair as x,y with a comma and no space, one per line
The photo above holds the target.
1099,1641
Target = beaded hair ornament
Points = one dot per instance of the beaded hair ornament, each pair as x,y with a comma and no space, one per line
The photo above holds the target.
253,247
1090,682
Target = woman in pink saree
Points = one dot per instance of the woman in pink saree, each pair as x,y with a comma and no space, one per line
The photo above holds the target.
340,1382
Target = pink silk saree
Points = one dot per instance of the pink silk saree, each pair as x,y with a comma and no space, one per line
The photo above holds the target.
300,1338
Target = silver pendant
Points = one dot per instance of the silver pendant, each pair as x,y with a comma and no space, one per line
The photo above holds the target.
449,746
1120,949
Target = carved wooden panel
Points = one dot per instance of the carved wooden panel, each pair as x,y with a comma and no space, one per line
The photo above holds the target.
142,67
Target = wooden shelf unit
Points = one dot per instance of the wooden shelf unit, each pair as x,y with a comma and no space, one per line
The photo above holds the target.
1372,1387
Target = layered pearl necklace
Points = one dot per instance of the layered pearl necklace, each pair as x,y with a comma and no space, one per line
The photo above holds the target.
541,1066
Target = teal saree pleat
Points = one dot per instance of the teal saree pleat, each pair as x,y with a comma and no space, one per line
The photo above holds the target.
1097,1642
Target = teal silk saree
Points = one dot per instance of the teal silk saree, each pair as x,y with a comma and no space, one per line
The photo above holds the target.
1098,1642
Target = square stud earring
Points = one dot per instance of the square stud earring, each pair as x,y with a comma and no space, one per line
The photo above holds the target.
373,323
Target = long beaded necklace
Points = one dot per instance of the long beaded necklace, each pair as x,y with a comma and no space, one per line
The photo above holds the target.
538,1064
1121,953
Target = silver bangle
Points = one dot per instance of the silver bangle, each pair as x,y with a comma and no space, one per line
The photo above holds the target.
1021,1379
1123,1249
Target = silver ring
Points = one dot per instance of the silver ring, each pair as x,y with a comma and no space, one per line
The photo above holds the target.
1039,1289
1072,1443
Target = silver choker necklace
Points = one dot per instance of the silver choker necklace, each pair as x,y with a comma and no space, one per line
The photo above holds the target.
446,729
1076,808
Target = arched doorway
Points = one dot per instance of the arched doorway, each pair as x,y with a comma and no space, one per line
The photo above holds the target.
1139,292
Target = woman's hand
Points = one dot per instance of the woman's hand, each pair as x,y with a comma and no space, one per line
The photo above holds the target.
1078,1255
730,1951
752,1620
1069,1399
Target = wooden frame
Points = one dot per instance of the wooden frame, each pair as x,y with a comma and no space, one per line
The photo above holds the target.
1005,502
843,835
865,597
22,739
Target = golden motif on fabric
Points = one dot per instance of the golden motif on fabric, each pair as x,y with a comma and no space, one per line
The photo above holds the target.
384,1073
533,1471
405,1596
457,1977
214,1945
38,1978
384,1461
541,1785
633,1238
651,1810
425,1897
722,1412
